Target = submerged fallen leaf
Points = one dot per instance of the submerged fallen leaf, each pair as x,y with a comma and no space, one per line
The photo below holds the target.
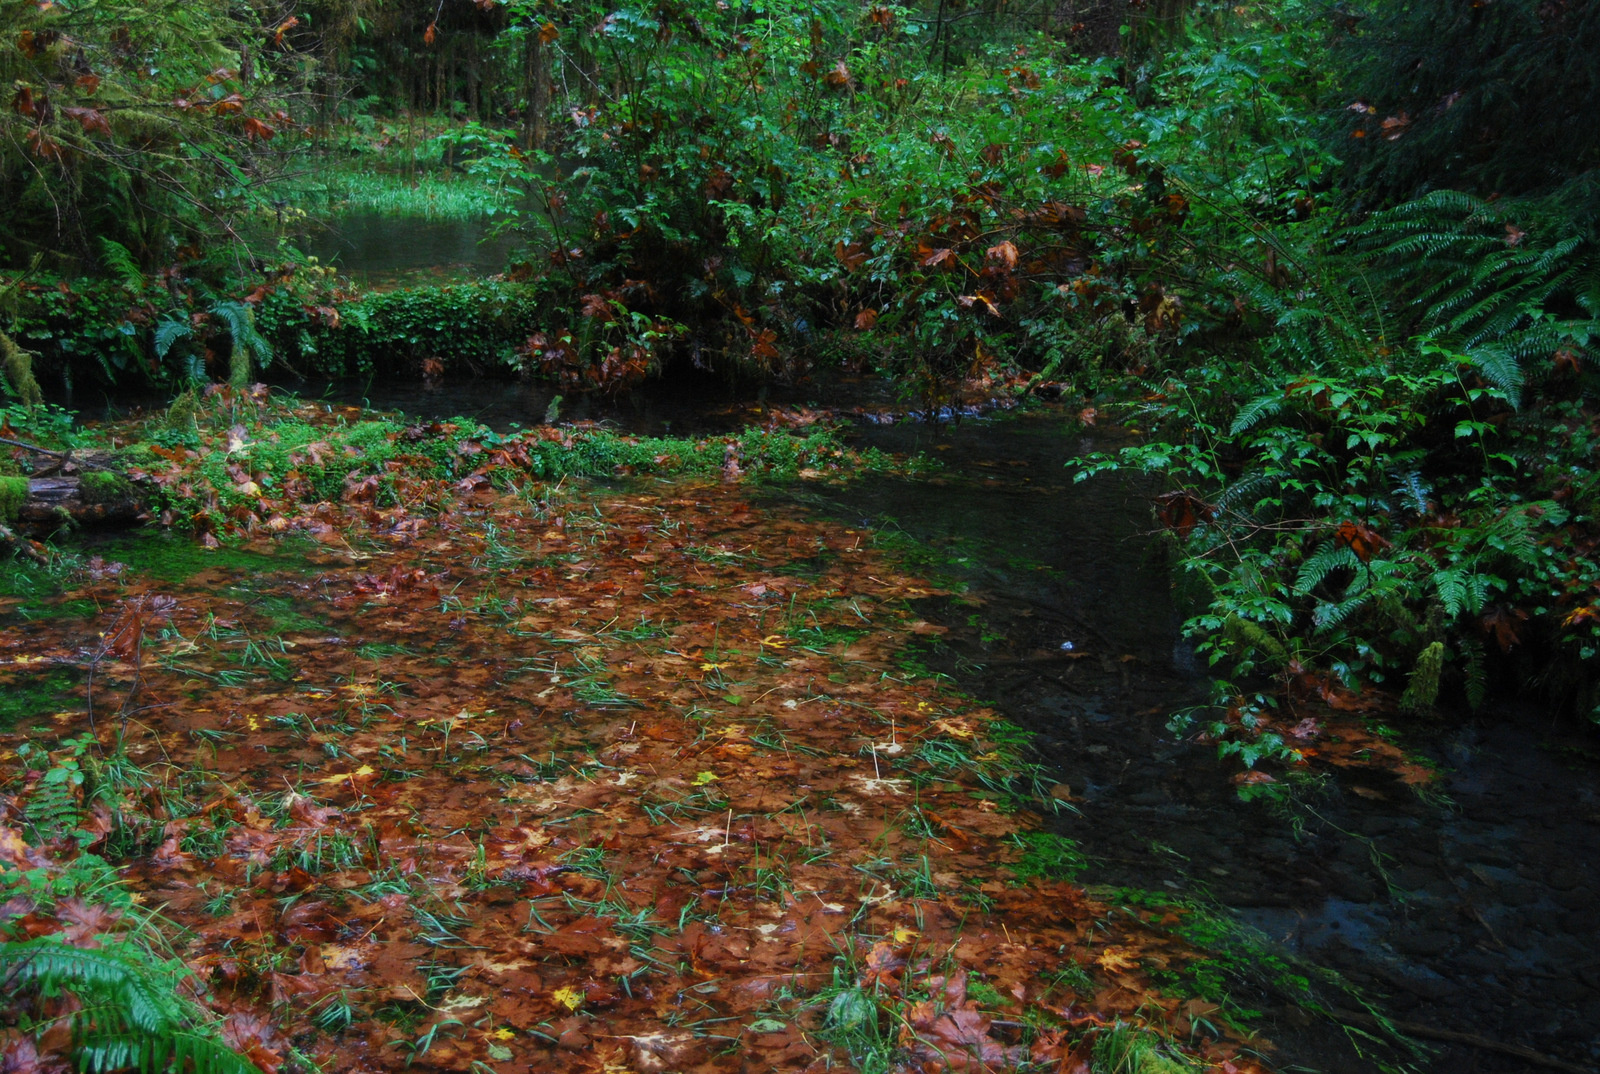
1117,959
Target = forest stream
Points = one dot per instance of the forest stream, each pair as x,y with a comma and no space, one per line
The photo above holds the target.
750,538
706,773
1465,905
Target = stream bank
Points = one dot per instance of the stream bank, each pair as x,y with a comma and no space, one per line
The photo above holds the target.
1468,909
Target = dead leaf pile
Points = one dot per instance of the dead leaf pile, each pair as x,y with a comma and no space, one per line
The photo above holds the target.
631,782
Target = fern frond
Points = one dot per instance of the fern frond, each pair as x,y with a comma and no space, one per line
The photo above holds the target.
248,344
186,1050
1511,533
1499,367
1329,557
1414,491
1331,614
1262,407
1461,590
168,331
119,260
132,1018
1245,494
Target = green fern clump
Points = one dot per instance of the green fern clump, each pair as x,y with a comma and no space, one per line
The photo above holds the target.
1512,284
131,1015
53,806
248,351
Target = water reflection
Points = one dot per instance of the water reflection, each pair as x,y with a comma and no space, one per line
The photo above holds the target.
378,250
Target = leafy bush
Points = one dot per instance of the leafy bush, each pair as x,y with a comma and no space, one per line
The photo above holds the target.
1380,511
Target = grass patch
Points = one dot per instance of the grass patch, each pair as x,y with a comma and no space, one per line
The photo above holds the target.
1045,854
354,187
38,589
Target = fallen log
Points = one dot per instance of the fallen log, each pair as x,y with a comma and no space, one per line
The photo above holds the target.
76,490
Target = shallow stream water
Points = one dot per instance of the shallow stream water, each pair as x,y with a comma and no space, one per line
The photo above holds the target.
1469,913
1472,910
384,250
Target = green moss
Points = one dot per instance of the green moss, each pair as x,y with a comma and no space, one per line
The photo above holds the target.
183,413
101,486
173,558
1423,689
27,696
1048,855
18,368
13,493
281,613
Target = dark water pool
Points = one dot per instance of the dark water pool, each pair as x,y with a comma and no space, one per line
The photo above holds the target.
1469,914
376,249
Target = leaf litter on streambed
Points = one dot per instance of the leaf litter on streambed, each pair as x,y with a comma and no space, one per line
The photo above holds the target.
624,783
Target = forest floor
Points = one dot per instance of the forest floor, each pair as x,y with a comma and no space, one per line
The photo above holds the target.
537,775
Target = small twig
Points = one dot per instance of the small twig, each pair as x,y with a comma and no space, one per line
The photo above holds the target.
1032,661
64,456
21,546
33,447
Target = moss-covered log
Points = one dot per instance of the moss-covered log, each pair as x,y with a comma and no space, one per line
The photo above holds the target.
79,490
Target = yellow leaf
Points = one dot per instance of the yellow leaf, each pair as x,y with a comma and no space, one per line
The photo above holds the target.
360,773
342,956
702,778
570,998
710,667
905,935
774,641
502,1034
1116,959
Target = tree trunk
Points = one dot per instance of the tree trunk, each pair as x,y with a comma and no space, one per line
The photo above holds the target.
535,91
